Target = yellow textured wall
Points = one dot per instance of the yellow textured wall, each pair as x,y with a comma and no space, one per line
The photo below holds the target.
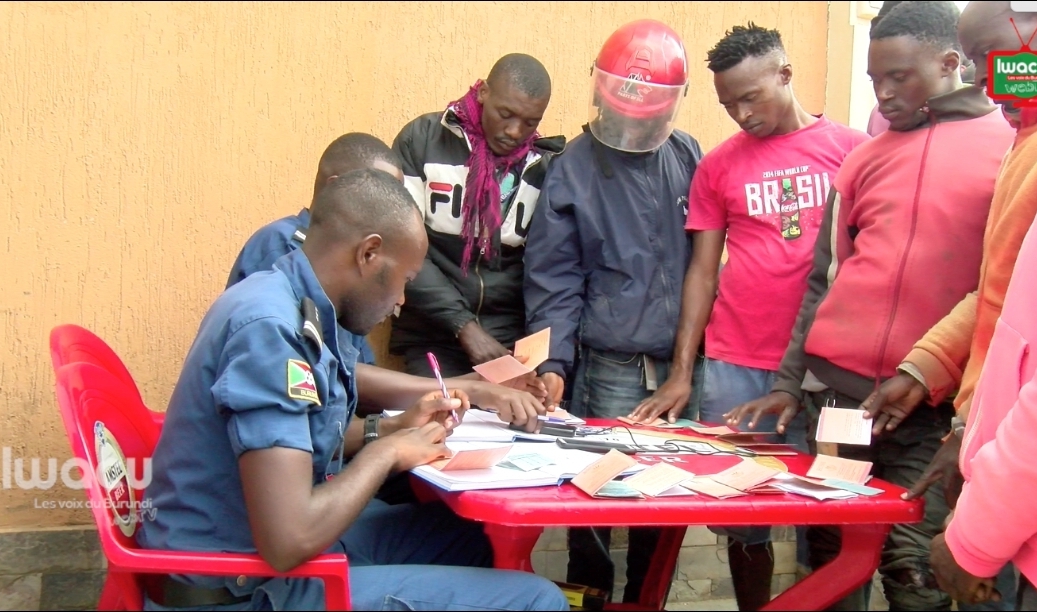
141,144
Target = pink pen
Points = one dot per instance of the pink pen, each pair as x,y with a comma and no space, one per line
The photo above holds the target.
442,385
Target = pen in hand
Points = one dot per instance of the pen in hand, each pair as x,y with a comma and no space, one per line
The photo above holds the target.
442,385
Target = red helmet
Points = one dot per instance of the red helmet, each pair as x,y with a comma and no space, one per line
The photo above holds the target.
639,79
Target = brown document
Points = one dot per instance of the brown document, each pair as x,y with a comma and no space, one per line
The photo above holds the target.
657,479
706,486
745,475
596,475
713,431
837,468
656,423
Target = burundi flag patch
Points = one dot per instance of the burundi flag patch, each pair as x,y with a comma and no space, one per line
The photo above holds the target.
301,385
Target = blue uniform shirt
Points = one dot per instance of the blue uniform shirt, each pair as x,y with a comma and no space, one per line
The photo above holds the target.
271,242
258,375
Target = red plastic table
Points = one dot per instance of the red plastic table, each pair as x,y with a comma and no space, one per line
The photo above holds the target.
515,518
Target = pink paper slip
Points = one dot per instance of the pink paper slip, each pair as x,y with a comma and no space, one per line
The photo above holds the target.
837,468
502,369
475,459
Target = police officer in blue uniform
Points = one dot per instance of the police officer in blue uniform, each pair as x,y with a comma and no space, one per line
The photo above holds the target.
260,421
353,151
349,152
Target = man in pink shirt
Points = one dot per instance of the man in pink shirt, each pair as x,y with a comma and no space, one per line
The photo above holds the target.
764,191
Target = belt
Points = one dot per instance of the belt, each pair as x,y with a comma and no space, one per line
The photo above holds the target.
165,591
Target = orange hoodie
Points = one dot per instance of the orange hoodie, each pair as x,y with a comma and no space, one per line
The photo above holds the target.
963,336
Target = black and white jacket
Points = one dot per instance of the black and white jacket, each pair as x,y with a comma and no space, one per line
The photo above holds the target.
442,299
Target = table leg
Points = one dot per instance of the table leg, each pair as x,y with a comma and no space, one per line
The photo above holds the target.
854,566
657,583
512,545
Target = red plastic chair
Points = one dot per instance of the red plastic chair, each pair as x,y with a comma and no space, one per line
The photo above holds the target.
89,395
72,344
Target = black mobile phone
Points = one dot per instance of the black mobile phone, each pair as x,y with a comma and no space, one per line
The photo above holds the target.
596,446
549,429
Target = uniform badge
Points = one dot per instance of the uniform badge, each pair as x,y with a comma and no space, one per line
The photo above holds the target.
301,385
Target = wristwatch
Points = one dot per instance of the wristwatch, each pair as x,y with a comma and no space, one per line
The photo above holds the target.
371,428
957,426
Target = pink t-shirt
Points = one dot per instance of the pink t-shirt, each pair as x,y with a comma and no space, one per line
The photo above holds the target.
769,194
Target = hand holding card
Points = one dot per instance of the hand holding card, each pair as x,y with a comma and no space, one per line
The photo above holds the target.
530,352
844,426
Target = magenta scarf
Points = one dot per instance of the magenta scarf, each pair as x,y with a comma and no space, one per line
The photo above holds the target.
482,198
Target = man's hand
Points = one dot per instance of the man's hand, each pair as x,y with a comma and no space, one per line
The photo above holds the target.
955,581
893,402
944,466
670,399
431,408
512,406
530,383
479,345
416,446
555,389
775,402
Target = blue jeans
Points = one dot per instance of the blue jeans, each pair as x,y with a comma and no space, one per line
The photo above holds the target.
725,386
608,385
412,557
1005,583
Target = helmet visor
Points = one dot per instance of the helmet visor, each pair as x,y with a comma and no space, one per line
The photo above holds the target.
632,115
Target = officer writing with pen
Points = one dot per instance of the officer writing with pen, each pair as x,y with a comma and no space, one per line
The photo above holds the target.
260,421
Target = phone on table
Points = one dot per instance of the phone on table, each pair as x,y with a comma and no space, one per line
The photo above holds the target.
596,446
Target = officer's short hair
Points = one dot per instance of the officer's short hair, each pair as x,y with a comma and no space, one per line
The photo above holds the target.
352,151
361,203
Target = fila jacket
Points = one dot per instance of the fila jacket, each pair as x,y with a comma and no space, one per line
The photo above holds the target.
442,299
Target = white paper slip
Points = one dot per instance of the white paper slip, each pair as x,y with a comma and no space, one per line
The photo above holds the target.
799,486
844,426
677,491
526,461
851,486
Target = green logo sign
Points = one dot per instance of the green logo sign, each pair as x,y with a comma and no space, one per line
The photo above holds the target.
1013,75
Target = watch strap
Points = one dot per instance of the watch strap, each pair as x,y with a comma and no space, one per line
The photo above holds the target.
371,428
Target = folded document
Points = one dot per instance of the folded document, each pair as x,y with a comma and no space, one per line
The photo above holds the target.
517,469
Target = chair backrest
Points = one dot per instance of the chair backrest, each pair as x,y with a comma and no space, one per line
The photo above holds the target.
112,436
72,343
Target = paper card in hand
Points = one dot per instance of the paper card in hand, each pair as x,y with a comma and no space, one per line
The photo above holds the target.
844,426
534,349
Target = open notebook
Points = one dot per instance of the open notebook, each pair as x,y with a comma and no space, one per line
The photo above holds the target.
556,465
482,426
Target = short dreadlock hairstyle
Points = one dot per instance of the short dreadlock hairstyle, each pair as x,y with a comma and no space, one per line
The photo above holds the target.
742,42
933,23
